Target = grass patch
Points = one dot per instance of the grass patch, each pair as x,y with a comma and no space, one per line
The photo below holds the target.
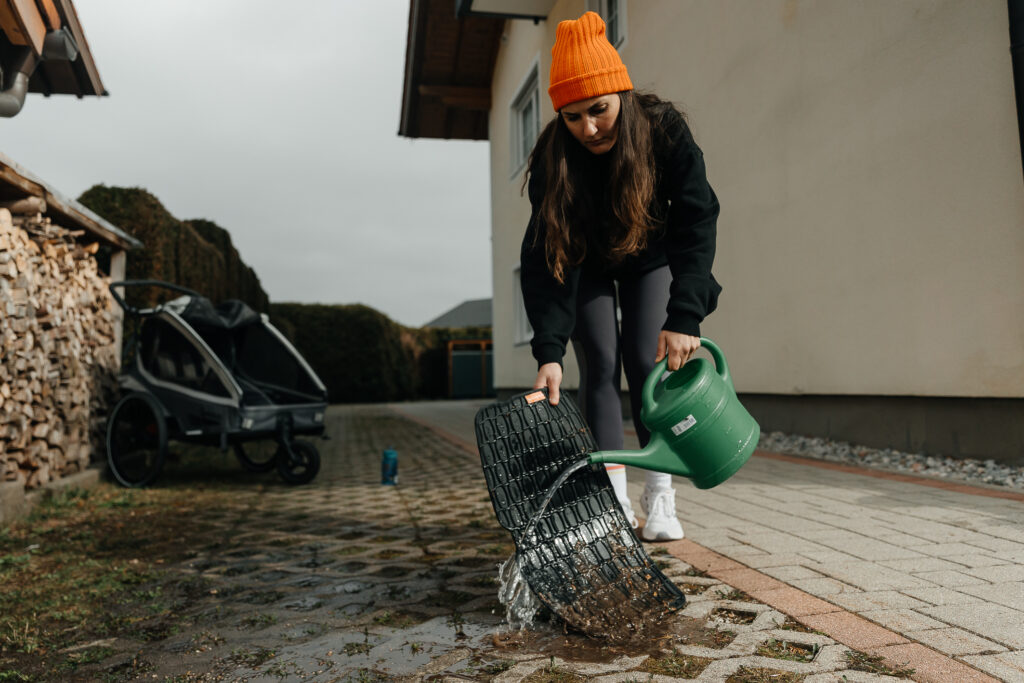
352,649
750,674
861,661
89,566
678,665
733,616
693,571
497,667
791,624
251,658
257,621
553,674
396,619
793,652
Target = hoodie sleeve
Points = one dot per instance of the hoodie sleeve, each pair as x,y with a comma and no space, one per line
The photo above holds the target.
550,305
691,229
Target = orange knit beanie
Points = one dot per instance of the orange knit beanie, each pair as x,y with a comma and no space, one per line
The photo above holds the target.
583,63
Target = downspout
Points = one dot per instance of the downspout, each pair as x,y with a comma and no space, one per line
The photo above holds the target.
12,99
1016,12
57,45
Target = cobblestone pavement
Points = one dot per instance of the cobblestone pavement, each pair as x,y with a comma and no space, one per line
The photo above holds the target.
348,580
928,577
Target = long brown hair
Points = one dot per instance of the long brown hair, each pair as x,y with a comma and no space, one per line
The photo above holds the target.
567,210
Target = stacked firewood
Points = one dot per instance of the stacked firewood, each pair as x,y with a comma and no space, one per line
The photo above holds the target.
58,357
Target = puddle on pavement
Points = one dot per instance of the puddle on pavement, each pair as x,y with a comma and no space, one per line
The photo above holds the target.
551,640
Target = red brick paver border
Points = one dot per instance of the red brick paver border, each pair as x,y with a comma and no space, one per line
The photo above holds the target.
834,621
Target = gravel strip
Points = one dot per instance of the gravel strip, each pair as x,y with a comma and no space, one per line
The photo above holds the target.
965,469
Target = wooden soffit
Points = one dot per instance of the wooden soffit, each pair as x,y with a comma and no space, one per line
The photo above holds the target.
25,23
449,63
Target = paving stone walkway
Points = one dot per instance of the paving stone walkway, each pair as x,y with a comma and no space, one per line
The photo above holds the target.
348,580
929,578
398,583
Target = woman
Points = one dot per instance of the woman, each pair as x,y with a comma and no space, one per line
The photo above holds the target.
623,216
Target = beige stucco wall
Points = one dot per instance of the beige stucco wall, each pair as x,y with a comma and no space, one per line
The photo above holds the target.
867,159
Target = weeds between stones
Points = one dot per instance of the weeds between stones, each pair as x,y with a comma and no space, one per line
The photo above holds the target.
791,624
861,661
749,674
676,664
733,616
553,674
734,594
793,652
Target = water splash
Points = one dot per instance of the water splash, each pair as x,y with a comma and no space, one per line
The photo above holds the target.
514,593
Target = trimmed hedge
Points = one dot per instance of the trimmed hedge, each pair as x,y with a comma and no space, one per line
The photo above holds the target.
197,254
363,356
360,354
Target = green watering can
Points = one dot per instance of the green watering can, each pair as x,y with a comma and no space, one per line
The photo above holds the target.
699,429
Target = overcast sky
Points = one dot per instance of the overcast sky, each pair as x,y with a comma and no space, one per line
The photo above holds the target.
278,122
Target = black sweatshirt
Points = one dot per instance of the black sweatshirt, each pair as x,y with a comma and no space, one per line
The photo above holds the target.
684,239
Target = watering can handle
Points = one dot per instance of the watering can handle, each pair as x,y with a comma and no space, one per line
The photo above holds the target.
652,379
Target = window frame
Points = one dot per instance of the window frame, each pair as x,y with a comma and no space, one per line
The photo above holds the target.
601,7
528,92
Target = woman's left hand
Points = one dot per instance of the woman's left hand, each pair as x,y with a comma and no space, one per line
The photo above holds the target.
679,348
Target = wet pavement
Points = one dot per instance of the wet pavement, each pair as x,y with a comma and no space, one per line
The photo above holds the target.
349,580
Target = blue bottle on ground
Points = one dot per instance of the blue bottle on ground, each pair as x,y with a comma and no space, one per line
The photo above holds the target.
389,467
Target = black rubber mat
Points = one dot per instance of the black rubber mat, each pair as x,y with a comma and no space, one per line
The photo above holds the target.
583,560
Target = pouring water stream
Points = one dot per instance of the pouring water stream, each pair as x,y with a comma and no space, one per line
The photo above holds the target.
514,593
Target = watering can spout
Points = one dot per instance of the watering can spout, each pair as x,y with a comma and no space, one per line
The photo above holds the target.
655,456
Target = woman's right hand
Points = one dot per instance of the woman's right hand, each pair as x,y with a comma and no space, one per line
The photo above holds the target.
549,375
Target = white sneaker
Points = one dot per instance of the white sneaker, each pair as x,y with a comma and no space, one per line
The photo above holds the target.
627,509
660,507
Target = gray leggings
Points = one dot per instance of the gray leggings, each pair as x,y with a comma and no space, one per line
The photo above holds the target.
603,351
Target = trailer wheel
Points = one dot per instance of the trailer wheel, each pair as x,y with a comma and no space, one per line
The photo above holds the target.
258,456
136,440
300,463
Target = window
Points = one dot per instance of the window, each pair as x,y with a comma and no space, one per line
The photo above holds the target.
523,331
525,118
614,14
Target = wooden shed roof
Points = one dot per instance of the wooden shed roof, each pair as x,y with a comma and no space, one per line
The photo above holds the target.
18,183
449,63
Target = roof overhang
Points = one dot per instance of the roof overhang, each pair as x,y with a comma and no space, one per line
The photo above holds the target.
507,9
26,23
449,62
18,183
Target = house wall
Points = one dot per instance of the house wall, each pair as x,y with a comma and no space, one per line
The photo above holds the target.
522,44
867,159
